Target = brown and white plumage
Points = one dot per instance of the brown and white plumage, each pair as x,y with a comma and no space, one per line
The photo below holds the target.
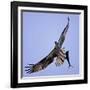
61,56
58,52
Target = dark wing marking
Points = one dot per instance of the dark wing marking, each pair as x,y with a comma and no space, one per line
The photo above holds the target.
41,64
61,56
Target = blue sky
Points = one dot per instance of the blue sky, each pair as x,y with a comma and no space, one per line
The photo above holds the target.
40,31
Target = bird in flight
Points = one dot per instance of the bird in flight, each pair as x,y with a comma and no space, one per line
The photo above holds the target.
58,53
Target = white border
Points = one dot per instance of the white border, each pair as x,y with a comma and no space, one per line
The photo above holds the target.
52,78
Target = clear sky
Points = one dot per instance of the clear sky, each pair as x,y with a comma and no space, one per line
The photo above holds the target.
40,31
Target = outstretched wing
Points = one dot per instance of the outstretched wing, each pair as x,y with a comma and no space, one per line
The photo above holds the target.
42,64
63,34
31,68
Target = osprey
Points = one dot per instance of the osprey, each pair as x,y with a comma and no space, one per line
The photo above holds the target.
58,53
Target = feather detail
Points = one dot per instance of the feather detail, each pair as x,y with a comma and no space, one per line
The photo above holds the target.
57,53
61,56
